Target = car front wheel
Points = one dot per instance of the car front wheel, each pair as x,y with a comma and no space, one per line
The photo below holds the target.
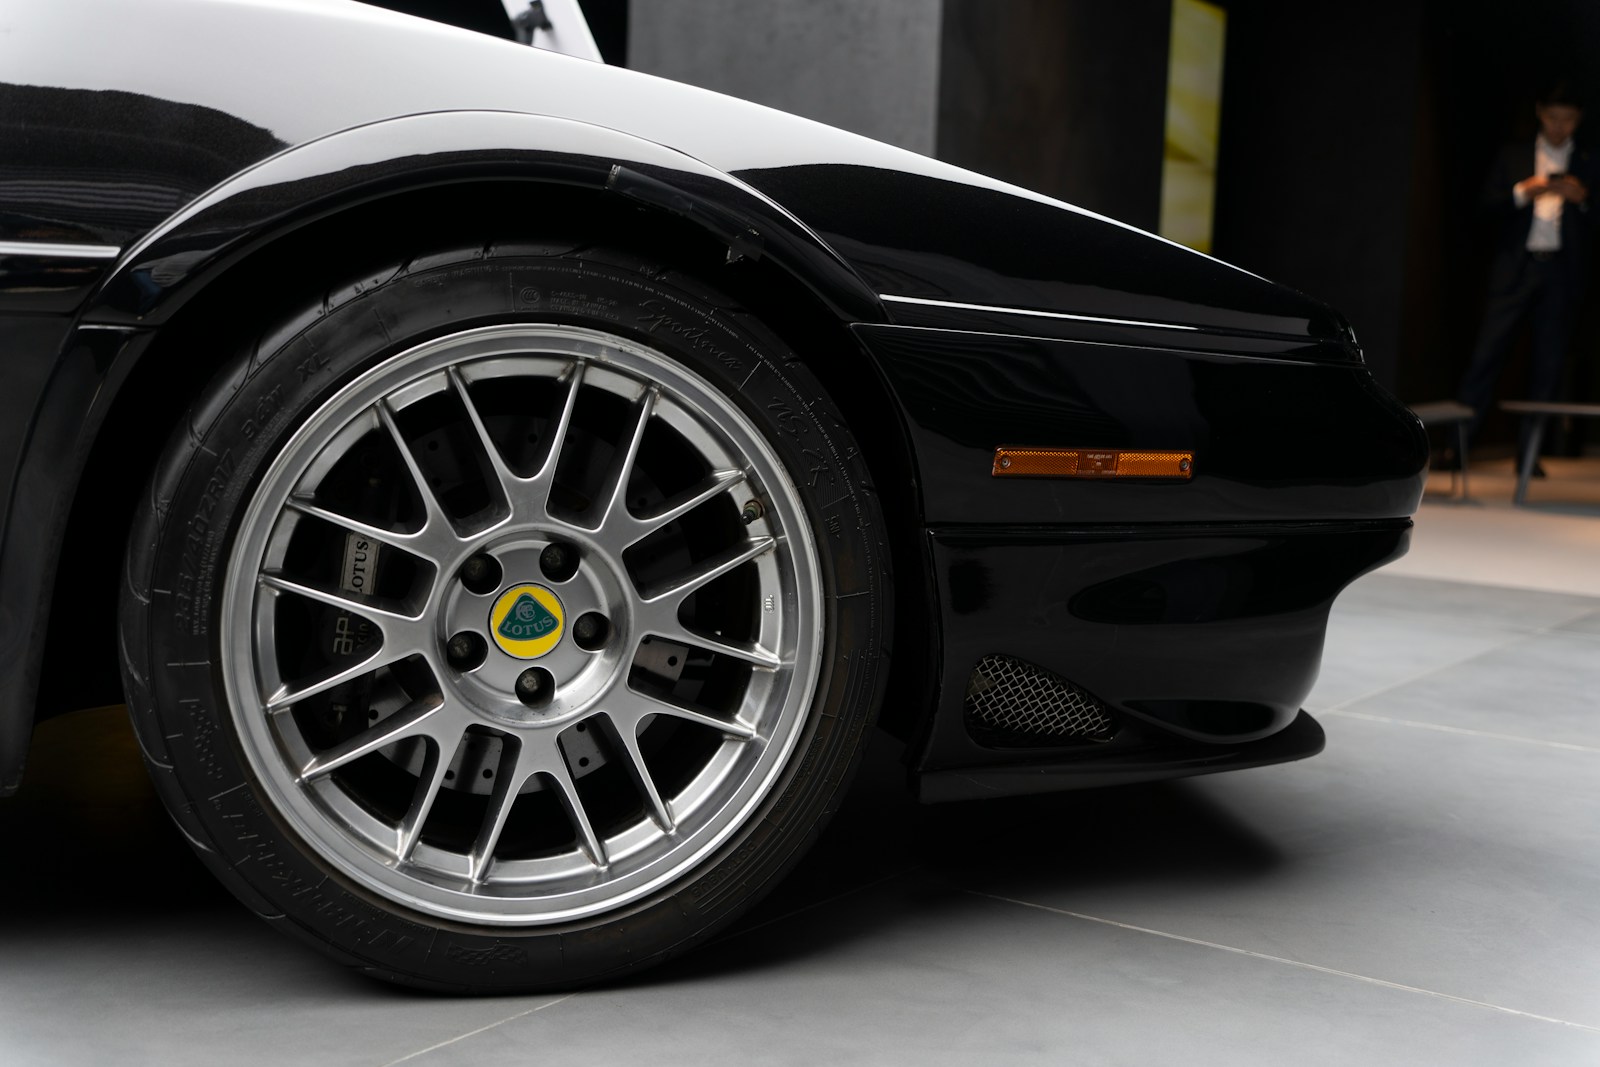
506,622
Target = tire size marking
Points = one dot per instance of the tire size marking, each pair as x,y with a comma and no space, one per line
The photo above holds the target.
202,735
789,421
262,415
486,957
312,364
819,468
195,565
584,304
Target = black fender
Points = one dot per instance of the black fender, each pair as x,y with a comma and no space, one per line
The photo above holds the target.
153,280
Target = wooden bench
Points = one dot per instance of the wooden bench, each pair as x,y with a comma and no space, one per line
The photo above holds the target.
1446,413
1540,411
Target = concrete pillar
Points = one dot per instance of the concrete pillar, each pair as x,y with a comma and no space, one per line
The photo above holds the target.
869,66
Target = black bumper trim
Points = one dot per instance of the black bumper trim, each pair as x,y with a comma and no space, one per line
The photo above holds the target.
1301,738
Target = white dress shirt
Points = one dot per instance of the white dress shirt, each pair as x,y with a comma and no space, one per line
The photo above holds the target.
1544,235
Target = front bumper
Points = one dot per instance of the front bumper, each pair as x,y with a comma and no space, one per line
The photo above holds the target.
1199,642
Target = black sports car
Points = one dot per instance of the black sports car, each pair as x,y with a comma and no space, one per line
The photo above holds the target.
523,482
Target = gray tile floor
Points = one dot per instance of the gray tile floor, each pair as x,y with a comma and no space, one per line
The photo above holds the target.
1426,891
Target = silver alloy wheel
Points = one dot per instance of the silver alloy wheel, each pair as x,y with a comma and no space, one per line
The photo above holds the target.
437,725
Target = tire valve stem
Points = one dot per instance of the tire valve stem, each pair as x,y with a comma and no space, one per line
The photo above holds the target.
752,511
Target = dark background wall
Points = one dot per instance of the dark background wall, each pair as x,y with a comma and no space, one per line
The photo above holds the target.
1482,62
1317,144
1318,134
871,66
1065,98
608,22
1355,138
1355,133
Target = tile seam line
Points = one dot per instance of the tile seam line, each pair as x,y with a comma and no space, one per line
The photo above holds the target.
1566,746
775,919
1506,587
479,1030
1554,629
1519,630
1521,638
1318,968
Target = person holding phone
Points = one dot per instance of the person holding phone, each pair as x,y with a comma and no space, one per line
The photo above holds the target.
1538,198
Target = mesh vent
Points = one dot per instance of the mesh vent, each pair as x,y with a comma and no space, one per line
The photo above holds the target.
1026,705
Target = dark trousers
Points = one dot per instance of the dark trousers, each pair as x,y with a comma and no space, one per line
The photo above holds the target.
1544,290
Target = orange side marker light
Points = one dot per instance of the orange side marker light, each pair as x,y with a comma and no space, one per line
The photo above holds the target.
1090,463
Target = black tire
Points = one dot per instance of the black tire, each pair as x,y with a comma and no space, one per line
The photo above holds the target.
199,493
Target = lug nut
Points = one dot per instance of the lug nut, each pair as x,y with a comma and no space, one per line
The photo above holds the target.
481,574
591,630
559,562
535,686
466,650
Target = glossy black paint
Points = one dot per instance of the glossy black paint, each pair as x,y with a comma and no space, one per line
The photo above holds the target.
155,128
1208,633
103,167
1272,438
1143,760
39,498
876,205
31,283
385,158
1106,329
991,246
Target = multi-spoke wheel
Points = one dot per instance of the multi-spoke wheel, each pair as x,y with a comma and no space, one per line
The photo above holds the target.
507,646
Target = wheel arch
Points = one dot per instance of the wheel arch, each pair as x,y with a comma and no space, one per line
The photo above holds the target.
236,244
161,273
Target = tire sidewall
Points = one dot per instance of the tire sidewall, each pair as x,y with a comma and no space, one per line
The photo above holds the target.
208,475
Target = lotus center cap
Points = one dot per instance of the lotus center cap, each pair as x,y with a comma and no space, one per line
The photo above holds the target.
527,621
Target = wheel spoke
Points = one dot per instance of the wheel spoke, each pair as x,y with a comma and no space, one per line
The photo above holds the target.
435,520
627,734
410,721
748,651
509,482
416,542
510,777
517,765
556,772
388,621
558,435
284,696
710,570
628,529
610,500
654,705
434,767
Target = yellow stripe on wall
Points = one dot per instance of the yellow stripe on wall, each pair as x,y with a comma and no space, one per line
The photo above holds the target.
1194,119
